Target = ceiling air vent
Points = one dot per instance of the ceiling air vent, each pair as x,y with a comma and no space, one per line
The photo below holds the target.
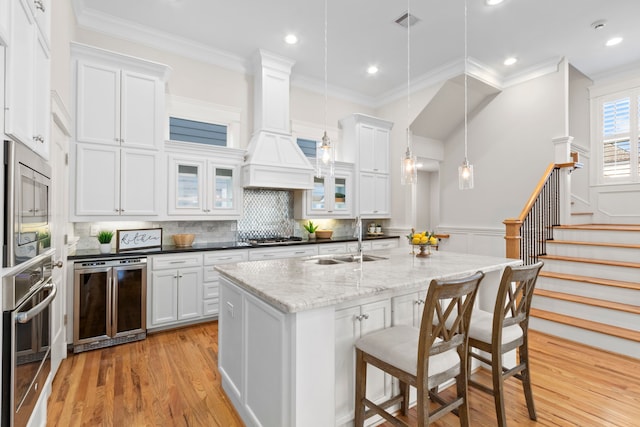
406,20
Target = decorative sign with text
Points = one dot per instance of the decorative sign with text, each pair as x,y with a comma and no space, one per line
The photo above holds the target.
145,238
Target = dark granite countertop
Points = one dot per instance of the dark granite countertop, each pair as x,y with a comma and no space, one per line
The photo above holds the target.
199,247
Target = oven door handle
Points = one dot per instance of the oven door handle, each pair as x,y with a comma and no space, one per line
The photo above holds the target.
25,316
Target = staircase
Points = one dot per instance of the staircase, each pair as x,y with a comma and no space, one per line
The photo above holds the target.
589,288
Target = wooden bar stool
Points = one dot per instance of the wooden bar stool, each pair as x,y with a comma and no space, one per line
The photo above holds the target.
505,330
423,358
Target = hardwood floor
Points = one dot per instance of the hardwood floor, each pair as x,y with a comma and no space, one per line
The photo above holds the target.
171,379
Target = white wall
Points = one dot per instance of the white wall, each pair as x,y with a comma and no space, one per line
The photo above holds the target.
510,146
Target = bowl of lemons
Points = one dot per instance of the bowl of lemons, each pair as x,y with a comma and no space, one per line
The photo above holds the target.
424,240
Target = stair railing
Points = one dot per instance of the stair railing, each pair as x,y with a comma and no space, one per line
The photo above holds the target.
526,236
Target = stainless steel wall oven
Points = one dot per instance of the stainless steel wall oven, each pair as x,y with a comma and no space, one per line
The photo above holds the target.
109,302
26,335
27,179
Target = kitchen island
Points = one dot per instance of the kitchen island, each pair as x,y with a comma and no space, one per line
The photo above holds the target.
287,327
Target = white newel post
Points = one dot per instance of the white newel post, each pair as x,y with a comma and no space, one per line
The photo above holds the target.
562,149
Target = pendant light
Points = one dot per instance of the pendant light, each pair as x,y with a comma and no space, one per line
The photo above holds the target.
465,170
409,173
325,151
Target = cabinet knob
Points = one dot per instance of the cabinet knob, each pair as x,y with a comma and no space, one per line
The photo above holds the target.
58,264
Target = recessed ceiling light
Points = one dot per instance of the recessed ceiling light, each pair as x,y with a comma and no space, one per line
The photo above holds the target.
493,2
372,69
614,41
599,24
510,61
291,39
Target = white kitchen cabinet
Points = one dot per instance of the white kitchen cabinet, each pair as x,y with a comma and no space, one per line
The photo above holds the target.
291,251
331,197
407,309
211,278
351,323
42,104
111,181
373,147
27,97
384,244
332,248
175,289
368,145
352,247
117,106
205,182
374,195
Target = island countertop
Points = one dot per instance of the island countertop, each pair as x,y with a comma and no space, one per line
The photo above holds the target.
299,284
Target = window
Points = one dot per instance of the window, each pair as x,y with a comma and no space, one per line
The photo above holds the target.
198,132
619,136
308,147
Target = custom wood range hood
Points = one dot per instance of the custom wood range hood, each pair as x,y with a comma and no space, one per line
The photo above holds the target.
273,158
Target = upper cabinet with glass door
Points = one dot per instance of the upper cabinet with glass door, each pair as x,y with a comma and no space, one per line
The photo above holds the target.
331,197
204,183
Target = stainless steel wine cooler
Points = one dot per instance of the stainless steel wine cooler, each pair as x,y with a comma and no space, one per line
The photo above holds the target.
109,302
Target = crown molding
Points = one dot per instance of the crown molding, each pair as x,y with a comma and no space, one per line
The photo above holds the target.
126,30
543,68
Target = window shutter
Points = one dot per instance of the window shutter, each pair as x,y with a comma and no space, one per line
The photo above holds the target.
198,132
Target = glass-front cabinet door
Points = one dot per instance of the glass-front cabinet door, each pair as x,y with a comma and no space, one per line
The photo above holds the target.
186,186
318,195
331,197
224,181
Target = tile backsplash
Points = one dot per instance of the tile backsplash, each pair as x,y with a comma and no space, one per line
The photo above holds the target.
205,231
267,213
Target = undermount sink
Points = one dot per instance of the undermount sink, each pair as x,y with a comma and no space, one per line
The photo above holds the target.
341,259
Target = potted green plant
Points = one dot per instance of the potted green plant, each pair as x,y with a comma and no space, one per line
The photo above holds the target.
340,197
104,237
311,229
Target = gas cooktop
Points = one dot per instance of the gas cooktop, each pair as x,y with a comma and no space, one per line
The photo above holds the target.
279,240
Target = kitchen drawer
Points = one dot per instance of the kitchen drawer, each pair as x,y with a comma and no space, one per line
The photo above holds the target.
210,274
352,247
210,307
163,262
286,252
225,257
332,248
384,244
210,290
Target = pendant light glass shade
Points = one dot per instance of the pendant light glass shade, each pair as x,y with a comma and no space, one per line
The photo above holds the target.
408,165
325,158
465,176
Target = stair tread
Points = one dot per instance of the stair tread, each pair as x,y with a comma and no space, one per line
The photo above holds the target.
595,302
608,227
602,328
591,280
586,243
592,261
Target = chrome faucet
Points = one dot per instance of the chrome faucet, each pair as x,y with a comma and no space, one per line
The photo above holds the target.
358,234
